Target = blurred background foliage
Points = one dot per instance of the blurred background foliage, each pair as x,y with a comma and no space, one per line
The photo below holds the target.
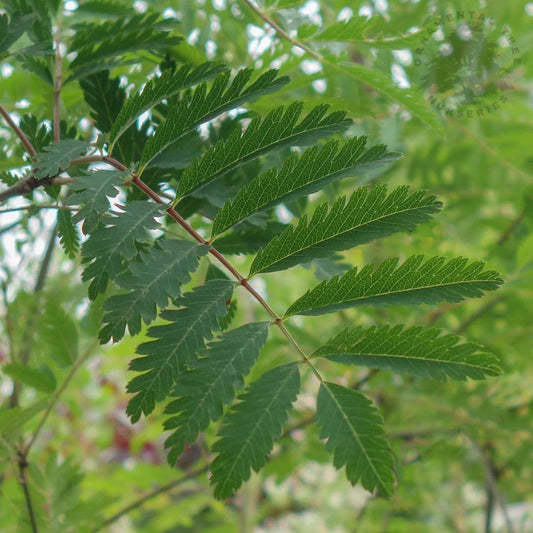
463,449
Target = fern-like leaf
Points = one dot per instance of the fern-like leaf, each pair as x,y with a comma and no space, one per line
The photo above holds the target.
250,428
92,193
107,247
157,277
354,429
278,129
203,391
300,176
413,282
368,215
67,232
57,157
176,344
193,108
169,84
421,352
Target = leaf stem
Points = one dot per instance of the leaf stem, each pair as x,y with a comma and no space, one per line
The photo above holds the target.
18,132
141,501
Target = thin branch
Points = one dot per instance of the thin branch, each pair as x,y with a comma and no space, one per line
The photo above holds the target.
485,308
18,132
512,226
38,206
57,84
23,481
29,183
141,501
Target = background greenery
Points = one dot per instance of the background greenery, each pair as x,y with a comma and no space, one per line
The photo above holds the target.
462,448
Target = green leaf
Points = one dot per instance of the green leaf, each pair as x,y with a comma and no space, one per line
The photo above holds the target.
413,282
354,429
278,129
60,334
166,86
104,97
109,246
176,344
40,379
247,239
92,193
368,215
203,391
68,233
421,352
13,419
250,428
57,157
193,108
157,277
300,176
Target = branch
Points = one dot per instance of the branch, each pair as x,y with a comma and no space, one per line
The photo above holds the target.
141,501
57,84
23,481
18,132
29,183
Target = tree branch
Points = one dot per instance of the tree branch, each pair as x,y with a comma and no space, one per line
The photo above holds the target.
18,132
29,183
23,481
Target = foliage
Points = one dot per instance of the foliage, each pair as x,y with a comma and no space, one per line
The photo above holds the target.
182,171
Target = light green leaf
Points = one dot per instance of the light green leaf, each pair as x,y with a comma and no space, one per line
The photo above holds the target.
300,176
176,344
60,334
92,193
203,391
368,215
40,379
109,246
252,425
421,352
157,277
278,129
14,418
193,108
57,157
354,429
158,89
68,233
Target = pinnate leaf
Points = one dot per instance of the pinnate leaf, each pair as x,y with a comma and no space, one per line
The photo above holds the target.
300,176
107,247
354,429
193,108
421,352
369,214
203,391
250,428
156,277
413,282
158,89
176,344
92,192
281,127
57,157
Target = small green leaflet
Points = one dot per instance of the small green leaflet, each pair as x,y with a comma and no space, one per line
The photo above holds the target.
300,176
57,157
107,247
421,352
176,344
250,428
368,215
60,334
12,419
156,277
158,89
203,391
193,108
413,282
41,379
68,233
92,192
354,429
278,129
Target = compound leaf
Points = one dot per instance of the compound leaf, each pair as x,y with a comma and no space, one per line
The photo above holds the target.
57,157
193,108
300,176
354,429
413,282
278,129
176,344
157,277
419,351
368,215
203,391
252,425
